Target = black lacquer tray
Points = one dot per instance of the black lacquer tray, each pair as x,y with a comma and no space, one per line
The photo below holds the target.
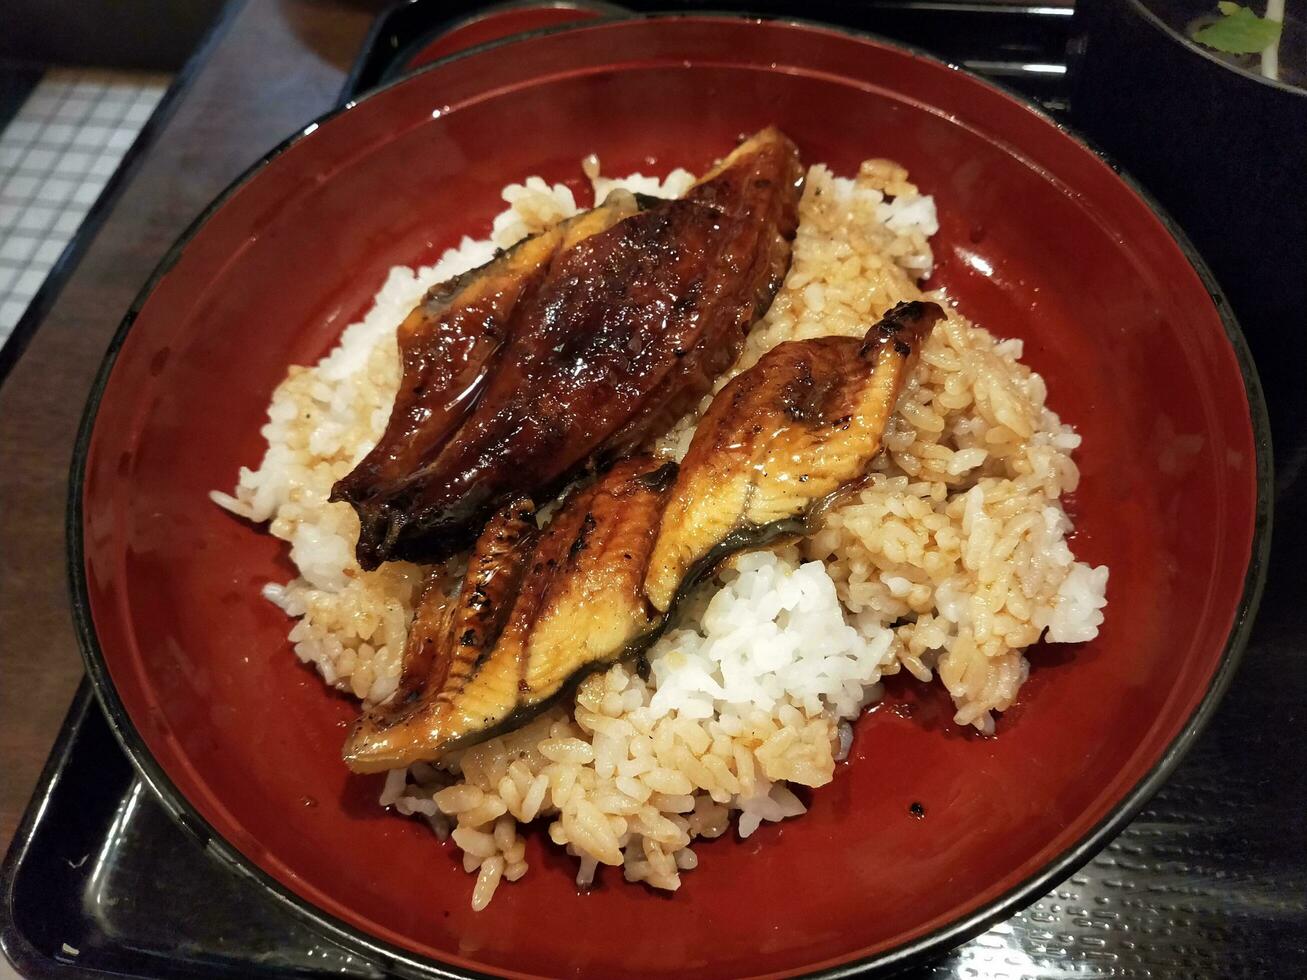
1209,881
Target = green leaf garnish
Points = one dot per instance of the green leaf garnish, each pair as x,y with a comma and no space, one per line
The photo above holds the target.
1239,31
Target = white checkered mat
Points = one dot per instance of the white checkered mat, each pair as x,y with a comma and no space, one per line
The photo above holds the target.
56,155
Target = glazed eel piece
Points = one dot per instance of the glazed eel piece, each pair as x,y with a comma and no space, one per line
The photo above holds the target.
538,610
449,343
629,325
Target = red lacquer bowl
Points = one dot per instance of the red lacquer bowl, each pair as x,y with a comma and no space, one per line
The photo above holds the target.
1040,239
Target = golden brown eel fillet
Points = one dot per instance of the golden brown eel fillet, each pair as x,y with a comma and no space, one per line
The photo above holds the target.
629,324
448,346
470,671
451,630
802,424
598,584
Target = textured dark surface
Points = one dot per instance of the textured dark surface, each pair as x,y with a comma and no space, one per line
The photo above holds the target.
16,83
156,35
1209,881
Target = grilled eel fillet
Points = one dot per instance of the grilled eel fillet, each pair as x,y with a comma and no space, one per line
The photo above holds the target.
534,608
448,345
537,610
626,329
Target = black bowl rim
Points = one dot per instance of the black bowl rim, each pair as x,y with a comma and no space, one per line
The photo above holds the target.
917,951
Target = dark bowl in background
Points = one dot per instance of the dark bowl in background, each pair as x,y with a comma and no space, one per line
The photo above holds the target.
1225,152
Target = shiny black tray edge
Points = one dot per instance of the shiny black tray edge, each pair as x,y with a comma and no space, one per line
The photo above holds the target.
92,825
18,946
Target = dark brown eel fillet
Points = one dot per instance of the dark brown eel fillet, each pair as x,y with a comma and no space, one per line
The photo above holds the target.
778,443
448,346
628,325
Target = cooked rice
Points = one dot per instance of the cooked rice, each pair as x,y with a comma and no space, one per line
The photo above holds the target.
951,561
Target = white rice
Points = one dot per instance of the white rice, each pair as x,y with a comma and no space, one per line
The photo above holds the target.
950,562
773,633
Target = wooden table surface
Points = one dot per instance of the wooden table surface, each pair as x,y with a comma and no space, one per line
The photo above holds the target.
271,67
